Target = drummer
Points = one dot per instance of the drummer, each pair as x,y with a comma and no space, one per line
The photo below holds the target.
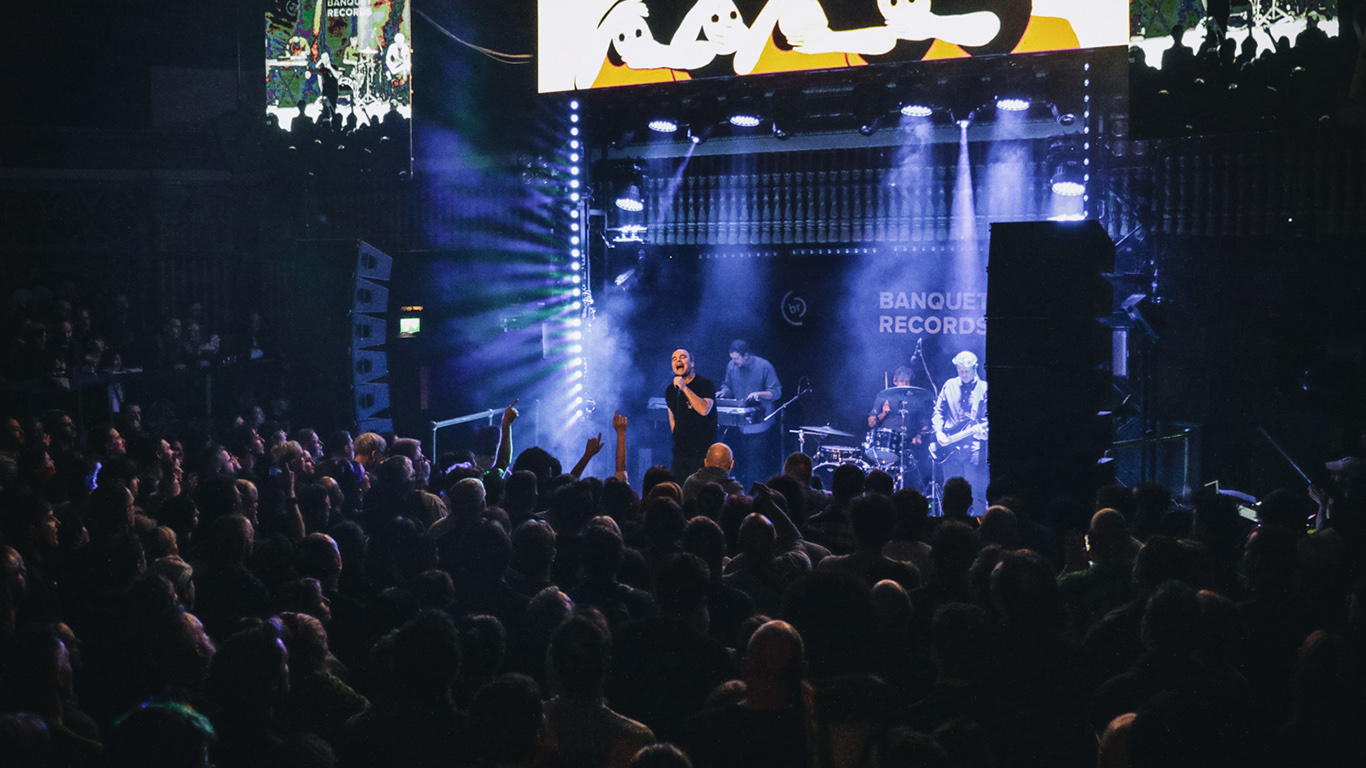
886,413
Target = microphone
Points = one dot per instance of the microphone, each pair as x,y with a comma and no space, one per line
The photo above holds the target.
916,353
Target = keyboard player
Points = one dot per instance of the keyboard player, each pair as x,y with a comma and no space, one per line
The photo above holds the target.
751,379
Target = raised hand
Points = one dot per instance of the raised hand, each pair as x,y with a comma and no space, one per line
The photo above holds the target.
593,447
510,413
619,422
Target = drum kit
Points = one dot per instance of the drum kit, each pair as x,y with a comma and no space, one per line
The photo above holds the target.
890,450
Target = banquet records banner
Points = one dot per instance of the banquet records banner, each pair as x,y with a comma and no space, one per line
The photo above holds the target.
950,313
601,43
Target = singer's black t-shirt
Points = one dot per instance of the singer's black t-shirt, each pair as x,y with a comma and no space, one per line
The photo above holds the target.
693,432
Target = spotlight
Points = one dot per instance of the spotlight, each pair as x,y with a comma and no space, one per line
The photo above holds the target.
630,200
741,109
1065,118
574,104
1069,180
870,104
574,265
663,125
1012,103
788,111
916,110
1068,161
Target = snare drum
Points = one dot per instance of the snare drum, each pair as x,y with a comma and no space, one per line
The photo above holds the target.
883,446
838,454
826,471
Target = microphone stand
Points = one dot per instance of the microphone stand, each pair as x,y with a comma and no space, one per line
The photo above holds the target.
782,420
925,367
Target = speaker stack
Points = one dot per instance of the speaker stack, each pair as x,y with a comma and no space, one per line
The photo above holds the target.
334,350
1048,356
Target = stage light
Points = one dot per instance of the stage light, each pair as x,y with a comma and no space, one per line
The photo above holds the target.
574,144
574,240
744,120
1068,217
573,183
917,110
663,125
576,279
576,305
574,252
630,200
574,131
573,118
871,102
573,226
573,157
575,197
573,170
574,265
1012,103
1069,180
574,214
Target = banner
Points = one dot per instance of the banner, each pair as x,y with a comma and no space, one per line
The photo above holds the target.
602,43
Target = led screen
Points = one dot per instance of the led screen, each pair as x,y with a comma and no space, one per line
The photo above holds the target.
601,43
338,57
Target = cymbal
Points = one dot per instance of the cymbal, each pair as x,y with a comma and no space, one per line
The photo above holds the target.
831,431
904,393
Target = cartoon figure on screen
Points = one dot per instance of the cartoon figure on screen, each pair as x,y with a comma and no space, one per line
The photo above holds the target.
625,38
808,31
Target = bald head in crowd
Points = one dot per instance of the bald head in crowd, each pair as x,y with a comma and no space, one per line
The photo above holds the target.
1107,539
720,456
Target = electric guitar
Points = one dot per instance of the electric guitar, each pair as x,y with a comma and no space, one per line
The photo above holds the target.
942,452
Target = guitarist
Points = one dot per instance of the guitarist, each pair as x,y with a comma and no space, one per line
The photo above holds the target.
962,406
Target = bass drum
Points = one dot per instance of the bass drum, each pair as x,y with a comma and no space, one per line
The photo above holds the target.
826,472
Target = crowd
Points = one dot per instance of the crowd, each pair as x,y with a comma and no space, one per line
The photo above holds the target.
339,146
52,336
265,595
1230,85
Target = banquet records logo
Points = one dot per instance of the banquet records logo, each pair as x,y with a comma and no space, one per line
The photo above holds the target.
793,308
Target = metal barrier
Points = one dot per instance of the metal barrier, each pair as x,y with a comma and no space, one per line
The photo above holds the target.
436,425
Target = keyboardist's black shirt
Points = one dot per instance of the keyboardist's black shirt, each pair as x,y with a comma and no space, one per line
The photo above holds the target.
693,432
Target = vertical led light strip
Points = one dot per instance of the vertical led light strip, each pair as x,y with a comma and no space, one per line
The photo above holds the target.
571,275
1086,137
